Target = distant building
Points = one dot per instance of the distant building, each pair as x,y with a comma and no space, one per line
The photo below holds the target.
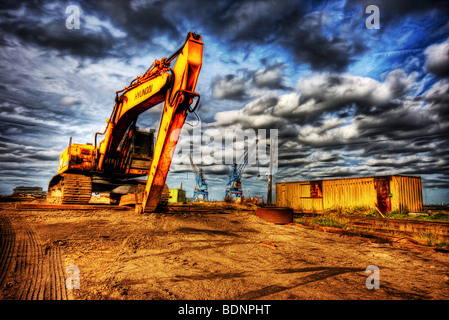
28,191
387,193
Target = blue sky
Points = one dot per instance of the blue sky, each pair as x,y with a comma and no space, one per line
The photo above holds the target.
347,101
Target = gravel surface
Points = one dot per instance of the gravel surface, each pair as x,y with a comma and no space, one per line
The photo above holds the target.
122,255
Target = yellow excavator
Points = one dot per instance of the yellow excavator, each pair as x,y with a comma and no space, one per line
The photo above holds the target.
127,153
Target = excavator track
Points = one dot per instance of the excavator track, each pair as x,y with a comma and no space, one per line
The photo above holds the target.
68,188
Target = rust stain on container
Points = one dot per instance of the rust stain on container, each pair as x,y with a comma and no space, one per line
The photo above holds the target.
387,193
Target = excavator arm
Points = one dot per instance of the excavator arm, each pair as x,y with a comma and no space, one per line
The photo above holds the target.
175,86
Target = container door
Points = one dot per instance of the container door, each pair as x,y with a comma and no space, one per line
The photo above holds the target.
382,186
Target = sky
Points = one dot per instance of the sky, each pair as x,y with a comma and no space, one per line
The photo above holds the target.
347,98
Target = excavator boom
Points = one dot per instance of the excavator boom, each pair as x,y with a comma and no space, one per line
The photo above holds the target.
177,102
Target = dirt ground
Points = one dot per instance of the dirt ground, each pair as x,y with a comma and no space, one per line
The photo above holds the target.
122,255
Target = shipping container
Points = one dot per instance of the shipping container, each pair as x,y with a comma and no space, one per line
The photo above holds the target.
386,193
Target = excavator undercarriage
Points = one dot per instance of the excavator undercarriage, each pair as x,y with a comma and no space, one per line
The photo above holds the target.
70,188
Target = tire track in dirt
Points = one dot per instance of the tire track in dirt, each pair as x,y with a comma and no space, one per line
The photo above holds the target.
30,266
7,244
33,271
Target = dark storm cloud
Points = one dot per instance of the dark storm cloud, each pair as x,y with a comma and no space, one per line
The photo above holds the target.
437,61
391,147
296,26
393,11
272,77
216,170
261,105
25,163
230,87
35,23
322,49
326,94
305,29
435,184
240,22
43,24
240,87
140,20
395,122
53,36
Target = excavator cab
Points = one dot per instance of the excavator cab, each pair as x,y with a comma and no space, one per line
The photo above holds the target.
139,153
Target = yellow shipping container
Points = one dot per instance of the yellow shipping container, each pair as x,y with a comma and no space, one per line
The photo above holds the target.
387,193
355,192
406,193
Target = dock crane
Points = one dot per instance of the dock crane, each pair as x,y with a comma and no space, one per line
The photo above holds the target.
234,183
200,189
